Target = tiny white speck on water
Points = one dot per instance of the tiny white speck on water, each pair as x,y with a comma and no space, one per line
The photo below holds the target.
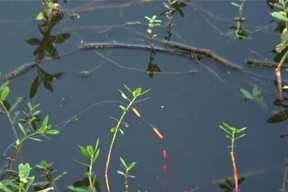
162,106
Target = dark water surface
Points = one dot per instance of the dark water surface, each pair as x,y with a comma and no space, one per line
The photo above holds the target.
187,108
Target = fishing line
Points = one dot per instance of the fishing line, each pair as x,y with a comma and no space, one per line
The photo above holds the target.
142,70
75,117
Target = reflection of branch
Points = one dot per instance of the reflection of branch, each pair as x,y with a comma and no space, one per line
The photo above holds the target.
263,63
174,48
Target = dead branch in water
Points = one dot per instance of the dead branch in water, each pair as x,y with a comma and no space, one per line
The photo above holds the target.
172,48
264,63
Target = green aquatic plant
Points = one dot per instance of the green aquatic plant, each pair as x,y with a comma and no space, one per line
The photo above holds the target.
127,167
132,99
92,154
233,133
238,31
254,95
23,181
49,8
152,23
48,172
282,47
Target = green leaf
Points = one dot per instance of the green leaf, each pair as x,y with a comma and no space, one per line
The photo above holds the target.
44,125
24,170
90,150
3,186
84,152
123,163
131,166
22,128
122,107
52,132
113,129
280,15
121,173
4,93
246,94
235,4
121,131
35,139
4,85
137,92
40,16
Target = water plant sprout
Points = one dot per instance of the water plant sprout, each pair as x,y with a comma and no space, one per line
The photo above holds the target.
134,96
152,23
233,133
127,167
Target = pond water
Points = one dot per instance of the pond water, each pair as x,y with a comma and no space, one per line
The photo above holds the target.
187,108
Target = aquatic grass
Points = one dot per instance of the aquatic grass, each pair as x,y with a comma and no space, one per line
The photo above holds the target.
92,154
152,23
127,167
238,30
233,133
132,99
23,182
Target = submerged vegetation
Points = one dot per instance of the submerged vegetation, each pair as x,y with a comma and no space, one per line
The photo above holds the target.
32,125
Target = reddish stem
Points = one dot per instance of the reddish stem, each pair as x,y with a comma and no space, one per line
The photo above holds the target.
235,172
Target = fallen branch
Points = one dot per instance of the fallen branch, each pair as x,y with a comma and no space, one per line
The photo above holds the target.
263,63
173,48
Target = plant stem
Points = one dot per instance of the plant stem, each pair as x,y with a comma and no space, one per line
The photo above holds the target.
10,119
278,76
113,140
235,172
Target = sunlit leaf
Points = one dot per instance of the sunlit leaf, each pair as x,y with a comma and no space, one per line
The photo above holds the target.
52,132
137,92
40,16
84,152
4,93
279,15
131,166
113,129
90,150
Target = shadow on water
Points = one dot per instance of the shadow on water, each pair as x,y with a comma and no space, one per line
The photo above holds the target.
81,62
